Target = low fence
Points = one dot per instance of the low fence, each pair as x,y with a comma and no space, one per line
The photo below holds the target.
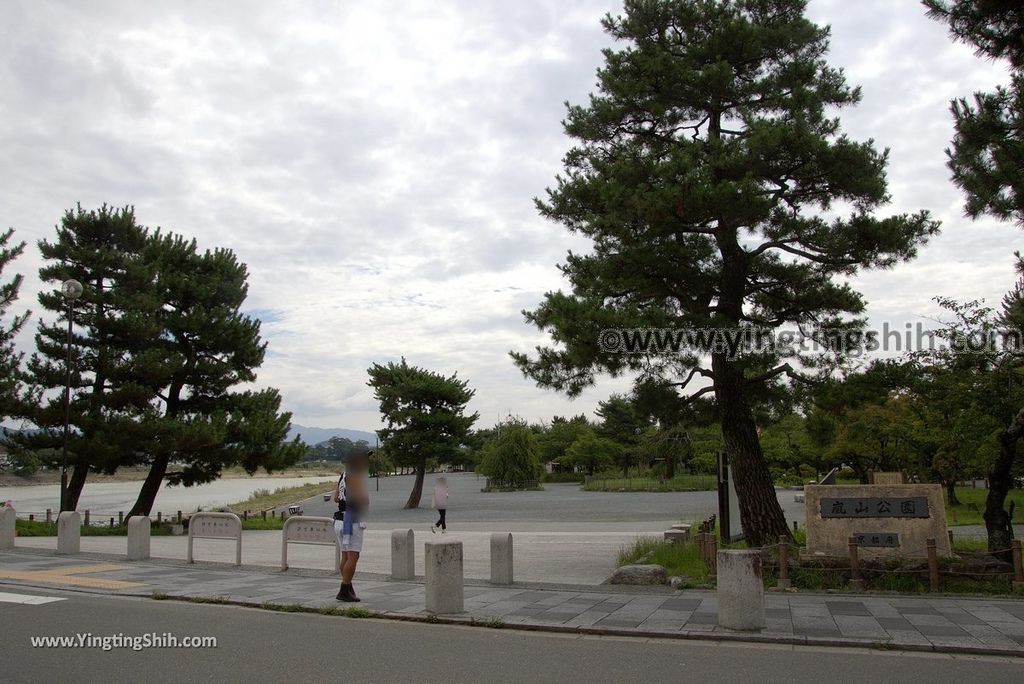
923,564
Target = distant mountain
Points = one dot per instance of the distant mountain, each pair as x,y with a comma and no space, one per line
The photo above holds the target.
315,435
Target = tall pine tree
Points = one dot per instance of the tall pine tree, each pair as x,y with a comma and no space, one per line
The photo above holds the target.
718,193
199,349
10,358
101,249
987,162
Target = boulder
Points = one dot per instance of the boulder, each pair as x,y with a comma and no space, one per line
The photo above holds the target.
678,582
640,574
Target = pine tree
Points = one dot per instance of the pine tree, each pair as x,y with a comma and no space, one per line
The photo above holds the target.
10,358
987,161
718,193
200,347
101,250
424,417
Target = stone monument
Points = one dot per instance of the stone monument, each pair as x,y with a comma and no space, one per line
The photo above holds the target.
886,520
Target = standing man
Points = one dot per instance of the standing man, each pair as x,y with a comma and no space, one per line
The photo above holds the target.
353,492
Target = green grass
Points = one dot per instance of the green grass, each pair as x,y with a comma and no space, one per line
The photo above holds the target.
685,560
257,523
41,528
972,505
679,483
283,496
677,559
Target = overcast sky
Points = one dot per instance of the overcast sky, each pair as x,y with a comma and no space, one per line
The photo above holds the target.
374,164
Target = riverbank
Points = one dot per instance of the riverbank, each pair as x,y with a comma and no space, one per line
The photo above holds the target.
138,474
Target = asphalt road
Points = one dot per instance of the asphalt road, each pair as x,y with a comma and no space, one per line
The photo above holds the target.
561,503
260,646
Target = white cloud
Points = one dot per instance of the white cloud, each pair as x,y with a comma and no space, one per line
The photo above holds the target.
375,167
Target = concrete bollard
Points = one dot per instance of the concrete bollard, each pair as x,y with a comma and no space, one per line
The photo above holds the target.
138,537
8,527
501,558
403,555
740,590
444,577
69,532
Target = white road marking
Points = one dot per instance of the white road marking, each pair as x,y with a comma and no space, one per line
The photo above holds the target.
27,599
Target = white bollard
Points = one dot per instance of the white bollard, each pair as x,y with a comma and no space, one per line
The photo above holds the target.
69,532
740,590
138,537
501,558
8,527
444,577
403,558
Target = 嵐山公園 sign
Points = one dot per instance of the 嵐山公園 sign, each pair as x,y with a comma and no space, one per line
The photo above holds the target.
875,507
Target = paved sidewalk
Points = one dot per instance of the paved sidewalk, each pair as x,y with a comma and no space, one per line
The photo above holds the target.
949,624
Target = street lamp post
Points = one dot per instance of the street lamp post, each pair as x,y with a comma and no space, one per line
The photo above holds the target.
72,290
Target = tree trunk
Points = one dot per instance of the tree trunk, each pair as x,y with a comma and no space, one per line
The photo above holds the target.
150,486
1000,481
417,487
951,496
760,513
75,484
670,466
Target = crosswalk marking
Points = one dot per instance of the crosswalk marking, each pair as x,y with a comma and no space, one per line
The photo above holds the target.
27,599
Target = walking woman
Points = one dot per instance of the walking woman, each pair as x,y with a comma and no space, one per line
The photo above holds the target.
440,503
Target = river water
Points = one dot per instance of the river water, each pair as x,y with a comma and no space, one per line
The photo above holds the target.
107,498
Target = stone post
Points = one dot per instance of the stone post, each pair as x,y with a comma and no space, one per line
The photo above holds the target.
403,555
1018,569
933,565
444,577
138,537
501,558
856,583
740,590
784,582
69,532
8,527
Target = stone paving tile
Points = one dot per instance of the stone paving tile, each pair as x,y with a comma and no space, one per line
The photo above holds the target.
586,619
956,641
778,626
681,604
941,631
810,610
859,626
1013,629
816,631
908,637
847,608
917,610
990,636
897,623
917,620
703,619
943,622
666,615
618,622
1016,611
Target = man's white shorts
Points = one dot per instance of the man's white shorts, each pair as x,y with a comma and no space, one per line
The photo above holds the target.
355,542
